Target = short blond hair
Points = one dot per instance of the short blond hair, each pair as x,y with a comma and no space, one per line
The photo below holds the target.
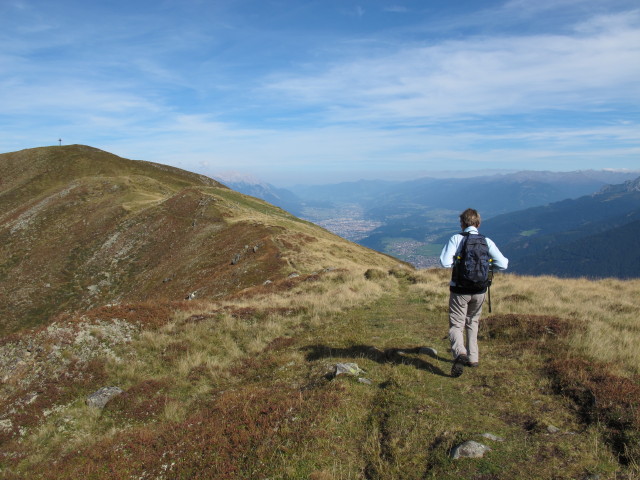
470,218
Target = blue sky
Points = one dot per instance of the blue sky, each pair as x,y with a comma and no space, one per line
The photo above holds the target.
327,90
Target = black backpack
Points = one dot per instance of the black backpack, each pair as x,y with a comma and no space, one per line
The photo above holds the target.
472,263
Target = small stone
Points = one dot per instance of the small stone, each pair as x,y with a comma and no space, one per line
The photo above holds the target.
255,248
552,429
293,275
236,259
348,369
100,398
366,381
492,437
267,282
469,449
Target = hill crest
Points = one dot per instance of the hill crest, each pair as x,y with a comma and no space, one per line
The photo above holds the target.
80,227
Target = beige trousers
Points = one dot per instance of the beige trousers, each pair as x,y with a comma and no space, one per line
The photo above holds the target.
464,316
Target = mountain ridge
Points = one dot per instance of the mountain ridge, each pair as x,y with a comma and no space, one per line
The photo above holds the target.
574,229
80,227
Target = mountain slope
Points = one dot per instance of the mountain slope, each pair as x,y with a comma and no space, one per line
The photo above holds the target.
80,228
594,235
612,253
245,388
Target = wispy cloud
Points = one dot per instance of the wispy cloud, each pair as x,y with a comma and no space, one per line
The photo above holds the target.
481,76
285,87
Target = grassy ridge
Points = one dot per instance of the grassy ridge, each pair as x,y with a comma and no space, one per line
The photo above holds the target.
80,228
242,388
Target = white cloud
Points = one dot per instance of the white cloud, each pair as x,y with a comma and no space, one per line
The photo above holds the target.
420,96
480,76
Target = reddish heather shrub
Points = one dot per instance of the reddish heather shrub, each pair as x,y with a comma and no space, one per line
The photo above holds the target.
175,351
605,398
245,433
244,313
148,315
280,343
524,327
140,403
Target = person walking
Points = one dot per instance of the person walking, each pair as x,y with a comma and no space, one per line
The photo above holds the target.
466,297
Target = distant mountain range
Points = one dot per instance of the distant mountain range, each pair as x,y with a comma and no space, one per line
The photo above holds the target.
412,219
280,197
595,235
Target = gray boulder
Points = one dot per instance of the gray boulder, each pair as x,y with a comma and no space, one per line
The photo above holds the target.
348,369
492,437
469,449
552,429
100,398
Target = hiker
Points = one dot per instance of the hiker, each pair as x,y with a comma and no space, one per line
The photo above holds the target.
467,296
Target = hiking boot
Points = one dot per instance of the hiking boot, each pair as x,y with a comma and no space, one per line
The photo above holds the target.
458,365
472,364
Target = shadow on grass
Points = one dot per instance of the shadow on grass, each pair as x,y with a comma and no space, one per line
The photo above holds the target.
397,356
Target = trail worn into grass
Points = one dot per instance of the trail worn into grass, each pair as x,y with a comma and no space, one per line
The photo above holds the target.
404,425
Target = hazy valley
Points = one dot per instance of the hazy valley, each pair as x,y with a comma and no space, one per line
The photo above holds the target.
525,211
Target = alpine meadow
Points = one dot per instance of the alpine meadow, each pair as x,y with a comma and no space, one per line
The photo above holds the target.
156,324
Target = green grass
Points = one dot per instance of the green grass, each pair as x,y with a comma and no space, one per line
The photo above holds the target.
247,392
404,425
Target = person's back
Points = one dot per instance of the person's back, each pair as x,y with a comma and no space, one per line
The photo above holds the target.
466,297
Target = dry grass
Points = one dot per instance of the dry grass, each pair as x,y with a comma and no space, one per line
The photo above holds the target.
239,388
608,310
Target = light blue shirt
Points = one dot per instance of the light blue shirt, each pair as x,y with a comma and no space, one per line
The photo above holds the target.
449,251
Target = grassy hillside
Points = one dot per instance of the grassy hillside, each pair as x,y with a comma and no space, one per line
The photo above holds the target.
99,256
243,388
612,253
80,228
